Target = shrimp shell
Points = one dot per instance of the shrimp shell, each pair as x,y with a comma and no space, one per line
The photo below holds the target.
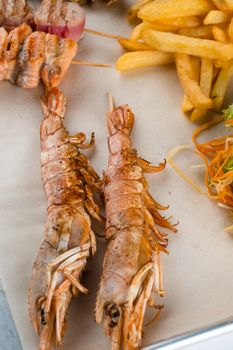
131,268
69,240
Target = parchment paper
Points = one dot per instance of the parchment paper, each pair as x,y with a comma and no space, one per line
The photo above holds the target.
197,272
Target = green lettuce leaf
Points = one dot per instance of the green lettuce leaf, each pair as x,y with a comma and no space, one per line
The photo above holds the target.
228,115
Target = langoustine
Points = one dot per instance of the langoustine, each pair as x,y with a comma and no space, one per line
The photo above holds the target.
131,268
69,182
27,57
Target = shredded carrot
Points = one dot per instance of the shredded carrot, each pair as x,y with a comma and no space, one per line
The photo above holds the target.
217,154
213,145
218,160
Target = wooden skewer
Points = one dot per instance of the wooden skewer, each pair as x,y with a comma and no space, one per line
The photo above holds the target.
95,32
91,64
111,102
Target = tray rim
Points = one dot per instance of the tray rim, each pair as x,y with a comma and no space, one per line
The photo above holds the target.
195,336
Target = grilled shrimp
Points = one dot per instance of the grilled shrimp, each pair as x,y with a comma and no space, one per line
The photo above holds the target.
13,13
31,59
59,53
69,181
26,57
131,268
63,18
10,48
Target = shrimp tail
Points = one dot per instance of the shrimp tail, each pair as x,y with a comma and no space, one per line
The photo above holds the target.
120,119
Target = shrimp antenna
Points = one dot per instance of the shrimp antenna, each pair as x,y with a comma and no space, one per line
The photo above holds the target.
91,64
157,314
106,35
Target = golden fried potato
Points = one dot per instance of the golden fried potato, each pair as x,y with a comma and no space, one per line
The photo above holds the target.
220,86
137,31
170,42
230,30
206,78
187,105
197,35
220,35
216,17
180,22
203,32
190,86
221,5
133,11
133,45
160,9
139,59
222,64
229,4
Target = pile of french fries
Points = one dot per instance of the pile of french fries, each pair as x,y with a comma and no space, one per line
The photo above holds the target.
195,34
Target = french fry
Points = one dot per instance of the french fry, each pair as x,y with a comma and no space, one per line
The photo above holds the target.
160,9
222,64
220,86
197,34
133,45
206,78
216,72
180,22
204,32
220,35
140,59
190,86
216,17
198,114
230,30
170,42
161,27
137,31
229,4
220,4
187,106
133,11
206,75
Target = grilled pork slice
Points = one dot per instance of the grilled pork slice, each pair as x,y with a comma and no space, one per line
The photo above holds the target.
65,19
13,13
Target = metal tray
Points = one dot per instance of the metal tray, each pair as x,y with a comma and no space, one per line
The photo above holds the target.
198,270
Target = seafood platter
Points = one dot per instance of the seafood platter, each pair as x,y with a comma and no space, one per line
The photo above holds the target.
102,244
